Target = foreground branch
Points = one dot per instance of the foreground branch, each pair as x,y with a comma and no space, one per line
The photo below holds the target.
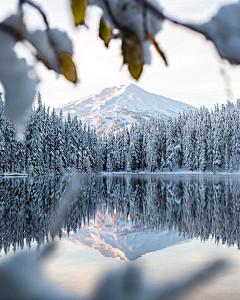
48,31
11,31
158,13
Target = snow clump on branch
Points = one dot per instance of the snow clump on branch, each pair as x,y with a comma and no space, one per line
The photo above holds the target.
224,31
130,17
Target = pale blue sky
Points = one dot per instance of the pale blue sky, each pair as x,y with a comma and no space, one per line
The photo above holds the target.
192,77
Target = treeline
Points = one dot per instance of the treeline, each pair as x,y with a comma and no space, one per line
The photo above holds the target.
51,144
199,140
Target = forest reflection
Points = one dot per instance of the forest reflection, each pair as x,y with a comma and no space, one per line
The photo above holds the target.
195,207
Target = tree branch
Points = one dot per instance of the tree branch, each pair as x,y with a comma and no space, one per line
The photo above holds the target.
111,15
11,31
144,15
158,13
48,31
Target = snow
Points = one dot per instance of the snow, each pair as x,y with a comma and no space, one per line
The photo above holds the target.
223,31
14,174
116,107
20,88
45,53
176,172
128,15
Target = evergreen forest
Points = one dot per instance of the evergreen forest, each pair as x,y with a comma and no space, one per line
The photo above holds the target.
198,140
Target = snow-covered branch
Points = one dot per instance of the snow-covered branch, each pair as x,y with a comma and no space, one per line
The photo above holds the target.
52,47
138,22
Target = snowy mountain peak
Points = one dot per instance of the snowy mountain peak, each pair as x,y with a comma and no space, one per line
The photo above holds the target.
112,91
133,88
116,107
115,91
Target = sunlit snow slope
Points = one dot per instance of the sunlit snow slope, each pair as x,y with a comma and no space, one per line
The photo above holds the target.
113,237
116,107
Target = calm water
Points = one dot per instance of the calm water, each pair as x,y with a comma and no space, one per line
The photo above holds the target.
170,226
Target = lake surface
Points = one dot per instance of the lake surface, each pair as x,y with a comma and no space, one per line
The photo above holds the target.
170,226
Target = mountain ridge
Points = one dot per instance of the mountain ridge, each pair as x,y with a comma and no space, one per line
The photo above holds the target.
116,107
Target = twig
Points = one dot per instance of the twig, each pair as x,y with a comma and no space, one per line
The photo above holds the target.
154,10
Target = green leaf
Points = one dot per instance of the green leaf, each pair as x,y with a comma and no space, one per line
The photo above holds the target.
105,31
78,11
67,67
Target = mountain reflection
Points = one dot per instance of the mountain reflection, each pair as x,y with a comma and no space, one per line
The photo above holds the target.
186,206
112,237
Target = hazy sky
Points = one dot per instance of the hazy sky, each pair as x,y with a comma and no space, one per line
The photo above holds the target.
193,75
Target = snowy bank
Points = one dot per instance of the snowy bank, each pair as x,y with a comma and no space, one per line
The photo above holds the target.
175,172
14,174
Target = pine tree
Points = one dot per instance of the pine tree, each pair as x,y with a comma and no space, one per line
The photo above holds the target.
202,154
189,142
217,141
170,145
2,136
60,152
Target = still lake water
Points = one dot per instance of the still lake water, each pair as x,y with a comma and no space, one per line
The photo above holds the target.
170,226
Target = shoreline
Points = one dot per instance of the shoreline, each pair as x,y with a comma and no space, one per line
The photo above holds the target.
178,173
141,173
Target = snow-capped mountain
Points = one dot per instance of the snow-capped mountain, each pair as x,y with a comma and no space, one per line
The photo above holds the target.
116,107
113,237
